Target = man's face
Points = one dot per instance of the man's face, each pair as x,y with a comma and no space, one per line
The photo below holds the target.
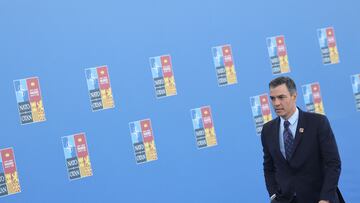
283,102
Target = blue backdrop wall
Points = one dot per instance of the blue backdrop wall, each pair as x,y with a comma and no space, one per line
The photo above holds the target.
57,40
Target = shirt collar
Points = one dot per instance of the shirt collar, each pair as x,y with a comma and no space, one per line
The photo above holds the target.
292,120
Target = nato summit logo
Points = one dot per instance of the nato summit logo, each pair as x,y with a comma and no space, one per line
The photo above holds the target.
100,92
29,100
143,141
163,76
312,98
328,45
278,54
9,179
261,111
224,65
203,125
77,156
355,82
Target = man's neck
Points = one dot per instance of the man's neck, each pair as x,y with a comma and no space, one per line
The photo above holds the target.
292,113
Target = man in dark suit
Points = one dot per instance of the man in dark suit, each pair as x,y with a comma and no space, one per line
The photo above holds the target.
301,159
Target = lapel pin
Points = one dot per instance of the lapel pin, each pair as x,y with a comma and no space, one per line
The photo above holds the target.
301,130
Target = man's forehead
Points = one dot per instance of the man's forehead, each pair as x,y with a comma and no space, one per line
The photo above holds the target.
279,90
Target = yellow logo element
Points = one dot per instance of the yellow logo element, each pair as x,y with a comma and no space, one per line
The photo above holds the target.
280,41
315,88
206,112
329,33
79,140
145,125
7,155
226,50
165,60
102,72
32,84
264,100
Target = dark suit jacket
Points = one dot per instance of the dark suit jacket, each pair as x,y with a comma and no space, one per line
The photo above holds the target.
313,171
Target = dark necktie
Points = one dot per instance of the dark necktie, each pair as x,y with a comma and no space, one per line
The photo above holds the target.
288,140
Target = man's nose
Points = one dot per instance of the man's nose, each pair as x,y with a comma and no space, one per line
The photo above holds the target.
276,102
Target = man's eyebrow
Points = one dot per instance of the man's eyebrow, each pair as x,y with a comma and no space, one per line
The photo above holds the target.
278,96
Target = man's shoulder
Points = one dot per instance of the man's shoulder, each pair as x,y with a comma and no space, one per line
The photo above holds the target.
271,123
313,116
269,130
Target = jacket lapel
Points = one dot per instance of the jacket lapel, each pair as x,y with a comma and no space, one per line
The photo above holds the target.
277,140
299,131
